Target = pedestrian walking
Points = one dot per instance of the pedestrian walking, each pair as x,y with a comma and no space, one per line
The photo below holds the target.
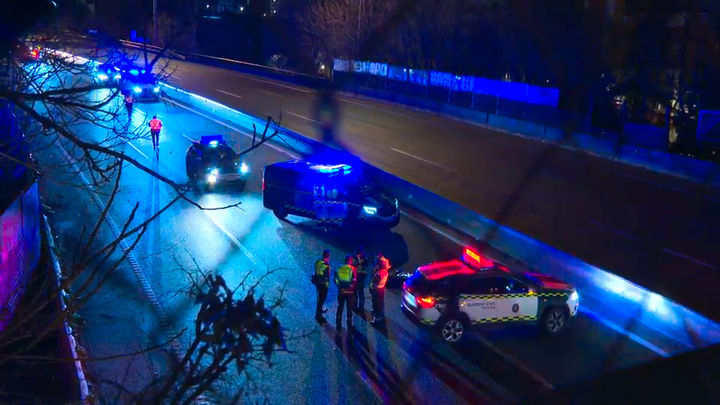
361,264
155,126
129,103
321,279
381,270
346,280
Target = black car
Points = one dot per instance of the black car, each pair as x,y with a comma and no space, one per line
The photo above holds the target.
142,86
329,193
211,162
455,295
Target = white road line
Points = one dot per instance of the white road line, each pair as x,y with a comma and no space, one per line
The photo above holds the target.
272,93
420,159
228,93
235,241
138,150
276,84
249,135
690,258
188,138
301,117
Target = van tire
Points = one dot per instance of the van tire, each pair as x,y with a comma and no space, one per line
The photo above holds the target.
452,329
280,212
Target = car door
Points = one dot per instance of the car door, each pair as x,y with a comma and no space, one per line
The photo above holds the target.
330,206
514,302
478,299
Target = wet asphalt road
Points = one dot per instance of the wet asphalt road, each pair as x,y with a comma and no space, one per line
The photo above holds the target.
398,362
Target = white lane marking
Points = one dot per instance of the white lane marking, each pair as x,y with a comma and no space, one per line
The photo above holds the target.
272,93
433,228
235,241
301,117
274,83
690,258
372,107
138,150
189,139
619,329
140,111
616,231
228,93
420,159
249,135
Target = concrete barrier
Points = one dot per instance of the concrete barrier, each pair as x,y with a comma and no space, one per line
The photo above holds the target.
652,320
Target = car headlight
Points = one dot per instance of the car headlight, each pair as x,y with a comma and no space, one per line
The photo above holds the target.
212,176
102,76
369,209
137,89
118,76
574,296
156,90
244,168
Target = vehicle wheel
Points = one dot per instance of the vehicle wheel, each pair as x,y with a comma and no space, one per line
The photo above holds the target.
280,212
554,320
452,329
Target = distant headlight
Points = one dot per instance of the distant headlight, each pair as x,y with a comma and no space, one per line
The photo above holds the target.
244,168
156,90
137,89
102,76
117,76
574,296
369,209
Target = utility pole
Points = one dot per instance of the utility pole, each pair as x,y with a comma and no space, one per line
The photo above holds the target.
155,34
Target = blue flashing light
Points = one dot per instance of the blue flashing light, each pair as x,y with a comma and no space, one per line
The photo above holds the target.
369,209
134,72
142,71
213,144
156,90
117,76
137,89
117,69
244,168
574,296
341,169
102,76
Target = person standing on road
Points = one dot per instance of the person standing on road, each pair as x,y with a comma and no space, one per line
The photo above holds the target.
361,264
346,281
155,126
129,103
321,279
380,274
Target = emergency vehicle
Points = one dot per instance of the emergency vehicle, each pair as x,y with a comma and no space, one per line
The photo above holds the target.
329,193
211,162
138,81
455,295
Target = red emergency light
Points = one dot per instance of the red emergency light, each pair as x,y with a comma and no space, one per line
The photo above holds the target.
475,259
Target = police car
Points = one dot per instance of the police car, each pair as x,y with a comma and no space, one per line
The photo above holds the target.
107,72
458,294
329,193
211,162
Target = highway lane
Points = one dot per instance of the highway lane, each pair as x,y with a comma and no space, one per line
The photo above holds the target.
399,362
657,230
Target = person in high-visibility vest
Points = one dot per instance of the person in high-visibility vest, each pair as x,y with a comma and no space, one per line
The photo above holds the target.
361,264
346,280
155,126
380,275
321,279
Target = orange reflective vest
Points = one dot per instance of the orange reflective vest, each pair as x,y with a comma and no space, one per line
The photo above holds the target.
155,124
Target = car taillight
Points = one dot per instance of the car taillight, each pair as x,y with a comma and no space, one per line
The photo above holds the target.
263,184
425,302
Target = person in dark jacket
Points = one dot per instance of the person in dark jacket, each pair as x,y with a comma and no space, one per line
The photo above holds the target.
346,281
361,264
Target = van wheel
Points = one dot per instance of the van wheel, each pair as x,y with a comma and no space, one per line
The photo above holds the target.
452,329
280,212
554,321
